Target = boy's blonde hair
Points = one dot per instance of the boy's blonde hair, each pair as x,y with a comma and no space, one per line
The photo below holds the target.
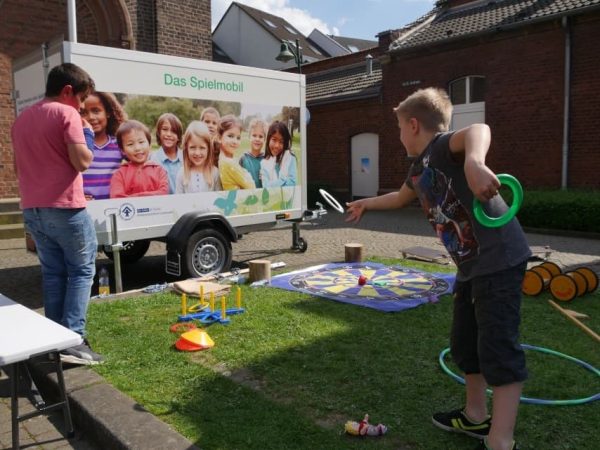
430,106
210,110
255,123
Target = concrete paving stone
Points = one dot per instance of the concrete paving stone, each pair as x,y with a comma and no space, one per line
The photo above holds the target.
39,425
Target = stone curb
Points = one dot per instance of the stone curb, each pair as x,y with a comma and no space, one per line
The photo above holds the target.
107,416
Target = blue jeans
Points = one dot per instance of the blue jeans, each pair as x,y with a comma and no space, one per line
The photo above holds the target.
66,245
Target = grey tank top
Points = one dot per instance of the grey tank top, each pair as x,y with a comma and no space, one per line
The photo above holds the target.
441,186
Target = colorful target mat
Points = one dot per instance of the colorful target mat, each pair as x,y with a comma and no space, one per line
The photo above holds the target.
388,288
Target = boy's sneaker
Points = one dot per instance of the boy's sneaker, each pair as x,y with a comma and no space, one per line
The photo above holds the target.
81,354
483,446
458,421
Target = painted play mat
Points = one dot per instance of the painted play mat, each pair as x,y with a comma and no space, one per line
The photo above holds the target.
387,288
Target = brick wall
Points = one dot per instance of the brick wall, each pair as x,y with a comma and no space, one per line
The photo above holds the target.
329,135
524,98
584,156
183,28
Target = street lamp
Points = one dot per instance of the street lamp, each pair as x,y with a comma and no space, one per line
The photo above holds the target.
287,53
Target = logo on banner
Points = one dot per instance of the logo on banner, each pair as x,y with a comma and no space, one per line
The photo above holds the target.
126,211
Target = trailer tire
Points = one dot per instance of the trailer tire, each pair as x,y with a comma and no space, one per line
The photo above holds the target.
207,251
131,252
302,245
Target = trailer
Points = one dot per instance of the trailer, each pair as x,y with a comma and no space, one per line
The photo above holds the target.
198,228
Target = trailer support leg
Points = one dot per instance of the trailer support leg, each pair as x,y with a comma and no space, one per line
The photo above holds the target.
116,249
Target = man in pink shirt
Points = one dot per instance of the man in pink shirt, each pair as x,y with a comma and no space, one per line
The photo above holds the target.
50,152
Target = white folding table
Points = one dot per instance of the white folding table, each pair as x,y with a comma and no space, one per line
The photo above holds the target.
25,334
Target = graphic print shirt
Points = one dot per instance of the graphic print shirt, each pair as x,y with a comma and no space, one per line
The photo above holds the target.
441,186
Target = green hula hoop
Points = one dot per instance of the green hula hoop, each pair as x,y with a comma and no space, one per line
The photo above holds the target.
530,400
495,222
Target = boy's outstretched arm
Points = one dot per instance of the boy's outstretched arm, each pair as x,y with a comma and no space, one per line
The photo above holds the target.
393,200
474,142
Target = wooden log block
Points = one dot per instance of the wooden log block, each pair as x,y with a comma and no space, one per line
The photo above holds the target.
260,269
353,252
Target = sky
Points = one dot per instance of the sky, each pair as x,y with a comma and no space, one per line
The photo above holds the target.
361,19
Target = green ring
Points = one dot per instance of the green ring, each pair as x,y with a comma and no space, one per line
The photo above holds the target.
495,222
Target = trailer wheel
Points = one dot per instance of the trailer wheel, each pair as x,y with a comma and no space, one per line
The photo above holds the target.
302,245
207,252
131,252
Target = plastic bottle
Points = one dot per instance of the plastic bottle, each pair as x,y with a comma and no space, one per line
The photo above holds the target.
103,282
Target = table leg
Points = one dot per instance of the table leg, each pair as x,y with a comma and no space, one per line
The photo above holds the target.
66,408
14,403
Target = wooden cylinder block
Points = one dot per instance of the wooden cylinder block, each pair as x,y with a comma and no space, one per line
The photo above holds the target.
260,269
353,252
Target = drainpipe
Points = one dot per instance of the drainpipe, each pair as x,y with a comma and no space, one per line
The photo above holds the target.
72,19
369,65
567,105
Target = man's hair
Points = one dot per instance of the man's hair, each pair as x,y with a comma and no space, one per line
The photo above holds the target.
430,106
68,74
130,125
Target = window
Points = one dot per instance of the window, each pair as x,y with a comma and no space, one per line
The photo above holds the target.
268,22
352,48
467,95
315,50
466,90
290,29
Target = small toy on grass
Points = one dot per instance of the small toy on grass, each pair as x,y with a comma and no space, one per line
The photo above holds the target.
364,428
194,340
211,316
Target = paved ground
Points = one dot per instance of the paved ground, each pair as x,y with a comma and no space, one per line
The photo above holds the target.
382,233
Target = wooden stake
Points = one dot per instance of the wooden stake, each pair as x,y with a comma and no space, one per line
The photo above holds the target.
353,252
571,315
260,269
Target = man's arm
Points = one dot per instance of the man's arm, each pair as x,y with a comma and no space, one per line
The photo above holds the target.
474,143
393,200
80,156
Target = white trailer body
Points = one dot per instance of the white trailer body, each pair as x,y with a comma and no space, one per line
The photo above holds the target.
255,92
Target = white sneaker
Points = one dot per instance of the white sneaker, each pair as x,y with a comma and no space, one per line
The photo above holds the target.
81,354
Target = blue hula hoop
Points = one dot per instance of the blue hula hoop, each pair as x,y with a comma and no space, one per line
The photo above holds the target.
530,400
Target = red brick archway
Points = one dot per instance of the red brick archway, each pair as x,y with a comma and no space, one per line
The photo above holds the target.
24,26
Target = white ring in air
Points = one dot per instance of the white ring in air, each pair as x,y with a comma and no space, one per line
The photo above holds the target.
332,201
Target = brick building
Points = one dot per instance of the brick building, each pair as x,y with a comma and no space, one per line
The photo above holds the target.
180,28
527,68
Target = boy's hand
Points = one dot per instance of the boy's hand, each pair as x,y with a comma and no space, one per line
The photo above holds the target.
355,210
482,181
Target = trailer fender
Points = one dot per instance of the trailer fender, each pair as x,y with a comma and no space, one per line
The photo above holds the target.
178,235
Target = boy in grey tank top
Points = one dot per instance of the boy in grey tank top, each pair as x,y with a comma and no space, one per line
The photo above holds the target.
448,171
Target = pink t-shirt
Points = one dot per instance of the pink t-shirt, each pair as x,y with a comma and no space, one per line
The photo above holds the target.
40,136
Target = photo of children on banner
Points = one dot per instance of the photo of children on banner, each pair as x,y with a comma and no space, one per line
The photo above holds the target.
104,113
169,155
211,117
257,132
199,172
279,166
229,136
139,176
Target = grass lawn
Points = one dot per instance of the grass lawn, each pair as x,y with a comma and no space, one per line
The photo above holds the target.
291,370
